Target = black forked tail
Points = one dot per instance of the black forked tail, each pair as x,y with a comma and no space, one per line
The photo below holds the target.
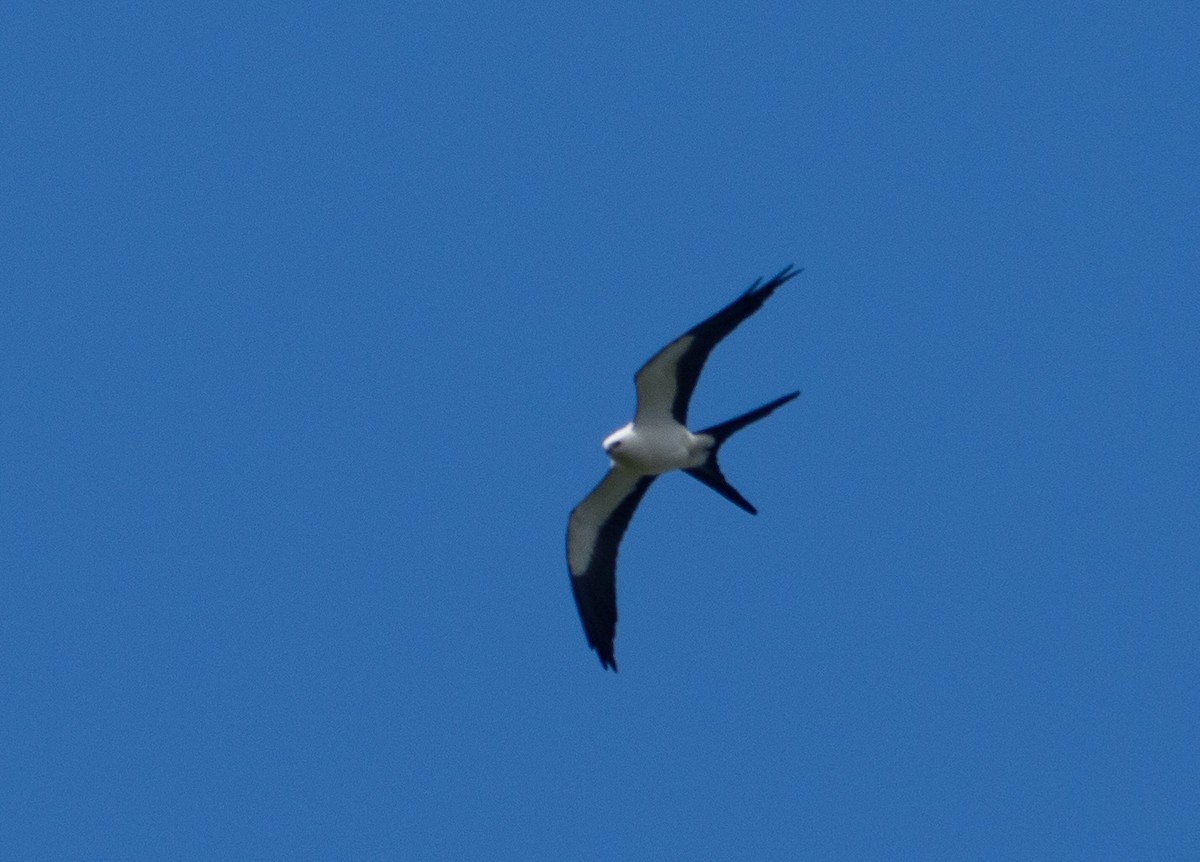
710,472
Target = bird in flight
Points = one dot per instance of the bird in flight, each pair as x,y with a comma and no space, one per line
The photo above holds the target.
655,442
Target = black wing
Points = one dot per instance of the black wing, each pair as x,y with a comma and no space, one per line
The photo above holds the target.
665,383
594,533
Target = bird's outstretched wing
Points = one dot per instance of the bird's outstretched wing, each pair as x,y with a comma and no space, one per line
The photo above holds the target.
594,533
665,383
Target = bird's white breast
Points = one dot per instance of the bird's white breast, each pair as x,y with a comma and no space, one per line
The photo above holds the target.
652,449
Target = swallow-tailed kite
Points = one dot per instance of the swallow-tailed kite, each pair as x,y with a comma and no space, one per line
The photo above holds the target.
655,442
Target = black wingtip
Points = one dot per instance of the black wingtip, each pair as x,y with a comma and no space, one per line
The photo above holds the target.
752,288
608,662
788,272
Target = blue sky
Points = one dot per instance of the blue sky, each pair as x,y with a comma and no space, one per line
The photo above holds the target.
314,317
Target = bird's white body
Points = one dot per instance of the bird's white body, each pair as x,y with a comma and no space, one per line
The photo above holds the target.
654,448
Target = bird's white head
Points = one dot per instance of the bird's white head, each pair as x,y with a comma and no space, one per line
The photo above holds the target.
614,441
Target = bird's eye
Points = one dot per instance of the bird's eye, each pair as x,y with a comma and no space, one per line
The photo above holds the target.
617,444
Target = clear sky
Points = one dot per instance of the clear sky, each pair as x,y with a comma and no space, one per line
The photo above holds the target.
313,318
